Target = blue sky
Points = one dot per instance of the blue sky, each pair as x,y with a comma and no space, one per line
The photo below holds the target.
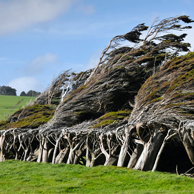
41,38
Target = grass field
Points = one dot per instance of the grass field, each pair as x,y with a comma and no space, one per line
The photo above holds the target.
32,177
8,104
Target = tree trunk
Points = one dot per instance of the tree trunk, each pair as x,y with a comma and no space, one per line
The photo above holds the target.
150,151
135,156
124,147
45,151
88,160
25,153
110,161
188,144
71,156
39,159
55,151
60,157
2,139
93,159
78,153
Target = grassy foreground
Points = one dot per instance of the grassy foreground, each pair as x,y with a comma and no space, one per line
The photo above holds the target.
32,177
7,103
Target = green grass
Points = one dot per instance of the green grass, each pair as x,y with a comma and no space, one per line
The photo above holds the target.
8,102
32,177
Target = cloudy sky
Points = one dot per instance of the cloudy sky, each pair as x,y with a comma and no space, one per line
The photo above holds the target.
41,38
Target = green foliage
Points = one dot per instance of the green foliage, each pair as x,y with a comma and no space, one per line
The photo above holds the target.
7,104
115,115
30,177
32,116
183,96
184,79
152,96
175,105
156,100
182,72
110,117
180,61
103,123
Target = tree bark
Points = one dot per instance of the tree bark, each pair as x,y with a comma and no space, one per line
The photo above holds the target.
40,150
2,139
188,143
60,157
55,151
45,151
135,156
125,146
150,151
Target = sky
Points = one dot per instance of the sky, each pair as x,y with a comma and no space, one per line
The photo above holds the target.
39,39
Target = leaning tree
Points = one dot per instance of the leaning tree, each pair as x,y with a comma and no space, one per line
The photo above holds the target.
88,127
120,72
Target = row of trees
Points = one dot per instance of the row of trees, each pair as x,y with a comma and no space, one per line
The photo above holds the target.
155,122
80,144
30,93
7,90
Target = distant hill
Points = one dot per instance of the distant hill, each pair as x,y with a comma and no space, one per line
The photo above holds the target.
10,104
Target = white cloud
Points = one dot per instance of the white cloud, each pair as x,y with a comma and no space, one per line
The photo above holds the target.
26,84
38,64
86,9
18,14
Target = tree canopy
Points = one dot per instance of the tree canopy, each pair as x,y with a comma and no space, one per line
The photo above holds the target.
124,112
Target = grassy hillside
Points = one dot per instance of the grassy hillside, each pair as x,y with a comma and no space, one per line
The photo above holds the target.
32,177
9,104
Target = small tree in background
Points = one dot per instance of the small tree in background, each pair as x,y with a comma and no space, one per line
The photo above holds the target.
33,93
23,94
6,90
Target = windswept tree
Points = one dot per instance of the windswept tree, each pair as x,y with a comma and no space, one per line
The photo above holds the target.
102,91
148,82
151,50
61,86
